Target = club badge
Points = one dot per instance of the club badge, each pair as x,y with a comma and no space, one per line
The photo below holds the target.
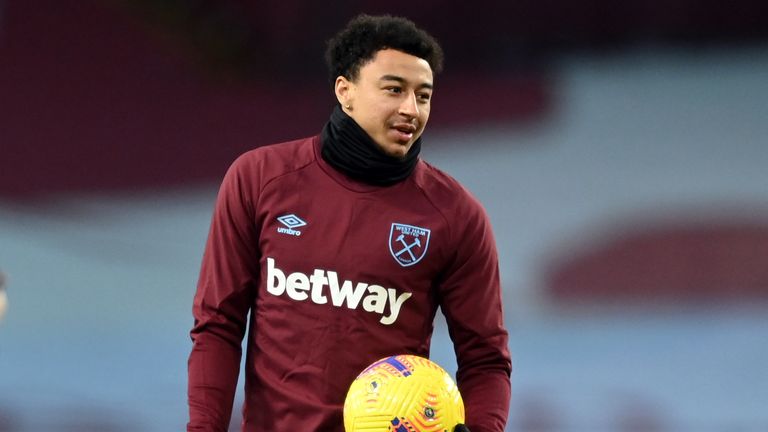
407,243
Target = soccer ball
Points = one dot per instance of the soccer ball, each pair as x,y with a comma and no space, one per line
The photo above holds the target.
403,393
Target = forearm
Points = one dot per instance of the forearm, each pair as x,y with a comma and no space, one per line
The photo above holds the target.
213,367
486,397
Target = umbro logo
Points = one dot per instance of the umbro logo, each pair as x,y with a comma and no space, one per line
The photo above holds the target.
291,221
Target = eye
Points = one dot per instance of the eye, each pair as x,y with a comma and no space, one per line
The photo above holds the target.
394,89
424,97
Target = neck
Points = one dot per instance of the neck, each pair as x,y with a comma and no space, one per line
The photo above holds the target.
349,149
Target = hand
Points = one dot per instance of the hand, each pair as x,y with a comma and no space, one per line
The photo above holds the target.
461,428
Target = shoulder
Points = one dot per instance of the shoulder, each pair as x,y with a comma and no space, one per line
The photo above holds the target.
260,166
446,193
467,222
254,169
276,159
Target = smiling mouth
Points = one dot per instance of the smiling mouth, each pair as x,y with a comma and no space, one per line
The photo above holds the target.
404,132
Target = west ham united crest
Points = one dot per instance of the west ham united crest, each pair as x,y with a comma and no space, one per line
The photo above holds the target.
408,243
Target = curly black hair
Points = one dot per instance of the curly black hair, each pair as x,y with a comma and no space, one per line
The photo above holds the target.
365,35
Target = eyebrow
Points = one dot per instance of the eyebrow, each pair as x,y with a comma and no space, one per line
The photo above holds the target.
403,81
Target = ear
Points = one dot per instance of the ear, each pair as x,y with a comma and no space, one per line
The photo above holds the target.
344,90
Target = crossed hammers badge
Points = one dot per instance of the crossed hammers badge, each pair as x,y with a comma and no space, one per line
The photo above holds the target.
407,243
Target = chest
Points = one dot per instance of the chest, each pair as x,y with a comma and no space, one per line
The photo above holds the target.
388,237
329,253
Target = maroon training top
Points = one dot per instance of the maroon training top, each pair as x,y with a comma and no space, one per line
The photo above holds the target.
337,274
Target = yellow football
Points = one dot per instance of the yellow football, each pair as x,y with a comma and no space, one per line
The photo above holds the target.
403,393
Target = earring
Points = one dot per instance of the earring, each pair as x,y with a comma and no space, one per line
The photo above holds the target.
348,106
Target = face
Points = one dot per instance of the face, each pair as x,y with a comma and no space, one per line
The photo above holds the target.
390,99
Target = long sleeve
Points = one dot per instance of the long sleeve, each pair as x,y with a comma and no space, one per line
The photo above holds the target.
471,302
225,293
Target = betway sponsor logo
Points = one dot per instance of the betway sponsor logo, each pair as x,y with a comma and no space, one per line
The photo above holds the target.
322,284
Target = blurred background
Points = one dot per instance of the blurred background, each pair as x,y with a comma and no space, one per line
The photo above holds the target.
619,147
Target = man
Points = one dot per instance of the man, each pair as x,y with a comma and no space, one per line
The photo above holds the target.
341,247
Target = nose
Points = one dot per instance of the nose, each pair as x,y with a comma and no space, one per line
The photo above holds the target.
409,107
